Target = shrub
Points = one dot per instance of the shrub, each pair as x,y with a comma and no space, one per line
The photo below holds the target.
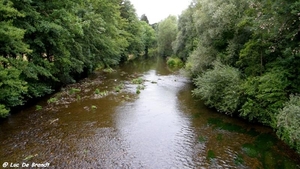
262,97
174,62
3,111
219,88
288,122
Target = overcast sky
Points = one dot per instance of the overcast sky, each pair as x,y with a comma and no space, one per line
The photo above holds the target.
157,10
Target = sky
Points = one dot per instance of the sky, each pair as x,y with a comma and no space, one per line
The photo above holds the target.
157,10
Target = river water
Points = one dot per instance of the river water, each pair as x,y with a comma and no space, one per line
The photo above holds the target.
141,115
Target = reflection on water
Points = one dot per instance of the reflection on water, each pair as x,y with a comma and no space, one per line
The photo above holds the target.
162,127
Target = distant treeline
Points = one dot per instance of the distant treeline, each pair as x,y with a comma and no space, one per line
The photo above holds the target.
46,44
244,57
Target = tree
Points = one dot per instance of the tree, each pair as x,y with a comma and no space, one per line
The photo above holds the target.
166,34
187,38
148,37
11,36
144,18
132,29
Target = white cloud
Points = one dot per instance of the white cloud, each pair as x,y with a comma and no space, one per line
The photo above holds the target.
157,10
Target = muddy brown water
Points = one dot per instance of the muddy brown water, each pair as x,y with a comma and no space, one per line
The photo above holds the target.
142,115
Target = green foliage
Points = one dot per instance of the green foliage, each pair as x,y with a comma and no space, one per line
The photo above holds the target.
3,111
263,96
137,81
148,37
140,87
257,45
174,62
46,44
288,122
166,34
219,88
97,91
52,100
74,90
202,139
186,39
12,88
38,107
211,155
119,87
138,91
238,160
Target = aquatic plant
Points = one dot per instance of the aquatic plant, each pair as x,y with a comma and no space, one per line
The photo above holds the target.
140,87
137,81
238,160
202,139
138,91
119,87
219,137
211,155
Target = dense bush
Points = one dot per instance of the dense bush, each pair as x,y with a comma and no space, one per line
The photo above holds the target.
219,88
288,122
174,62
262,97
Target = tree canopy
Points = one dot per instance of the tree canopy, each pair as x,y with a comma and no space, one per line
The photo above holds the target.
244,58
46,44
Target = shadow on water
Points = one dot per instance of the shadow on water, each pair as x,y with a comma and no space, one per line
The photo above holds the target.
141,115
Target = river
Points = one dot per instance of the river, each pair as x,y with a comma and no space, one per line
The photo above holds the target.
141,115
